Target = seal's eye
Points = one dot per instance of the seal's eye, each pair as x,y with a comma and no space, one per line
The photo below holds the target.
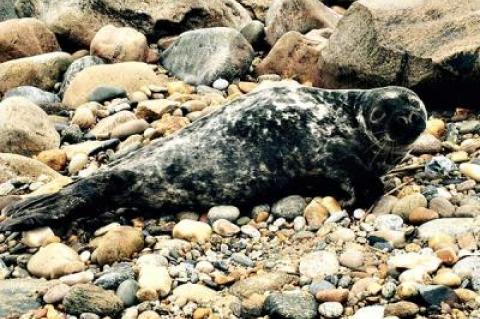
377,116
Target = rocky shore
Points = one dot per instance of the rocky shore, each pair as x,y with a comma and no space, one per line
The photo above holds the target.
83,83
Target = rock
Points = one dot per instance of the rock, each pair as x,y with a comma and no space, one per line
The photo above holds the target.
106,126
113,276
155,278
202,56
407,204
465,295
331,309
83,277
55,159
41,71
352,258
118,244
250,231
383,43
450,226
291,305
84,298
127,291
447,278
435,294
429,263
436,127
262,283
106,93
315,214
25,128
170,124
119,45
385,205
442,206
402,309
331,204
225,228
192,231
388,222
54,261
254,33
17,166
129,128
150,314
46,100
297,15
19,296
130,76
21,38
56,293
294,56
332,295
342,234
422,215
230,213
467,267
426,144
7,10
258,8
77,163
76,67
370,312
289,207
76,23
195,292
84,118
471,170
318,263
154,109
39,237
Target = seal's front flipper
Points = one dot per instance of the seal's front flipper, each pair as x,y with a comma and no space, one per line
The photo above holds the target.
81,199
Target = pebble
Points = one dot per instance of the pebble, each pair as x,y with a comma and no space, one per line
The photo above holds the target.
309,264
39,237
149,314
331,309
86,298
291,304
370,312
402,309
225,228
332,295
405,205
56,294
54,261
230,213
352,258
447,278
78,278
422,215
449,226
192,231
155,278
289,207
388,222
77,163
220,84
442,206
127,292
436,294
250,231
428,263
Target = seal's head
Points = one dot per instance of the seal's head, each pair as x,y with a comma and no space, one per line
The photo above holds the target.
393,115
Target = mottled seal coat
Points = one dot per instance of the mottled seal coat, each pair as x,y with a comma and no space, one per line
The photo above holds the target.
265,145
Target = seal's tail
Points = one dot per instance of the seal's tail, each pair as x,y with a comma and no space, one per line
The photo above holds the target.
83,198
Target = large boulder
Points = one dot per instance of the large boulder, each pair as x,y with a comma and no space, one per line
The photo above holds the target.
41,71
297,15
295,56
76,21
430,46
7,10
25,128
131,76
21,38
119,44
203,56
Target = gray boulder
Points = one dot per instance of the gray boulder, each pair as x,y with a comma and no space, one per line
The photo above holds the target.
430,46
203,56
46,100
76,67
76,21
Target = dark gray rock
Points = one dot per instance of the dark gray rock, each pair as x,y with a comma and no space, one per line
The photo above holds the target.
203,56
107,93
76,67
429,46
289,207
46,100
291,305
84,298
18,296
436,294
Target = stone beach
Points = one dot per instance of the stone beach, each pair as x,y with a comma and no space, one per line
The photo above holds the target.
85,83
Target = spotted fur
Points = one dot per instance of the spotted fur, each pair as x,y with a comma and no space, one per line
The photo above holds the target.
267,144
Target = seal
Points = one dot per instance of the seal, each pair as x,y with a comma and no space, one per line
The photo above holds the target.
267,144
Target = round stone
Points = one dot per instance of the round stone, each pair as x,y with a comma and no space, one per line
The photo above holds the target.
289,207
331,309
309,264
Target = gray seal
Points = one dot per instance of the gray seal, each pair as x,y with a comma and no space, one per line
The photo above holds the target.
263,146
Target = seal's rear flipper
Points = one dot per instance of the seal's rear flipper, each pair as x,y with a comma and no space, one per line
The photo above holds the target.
80,199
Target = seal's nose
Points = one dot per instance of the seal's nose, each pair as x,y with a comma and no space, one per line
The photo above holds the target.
407,127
